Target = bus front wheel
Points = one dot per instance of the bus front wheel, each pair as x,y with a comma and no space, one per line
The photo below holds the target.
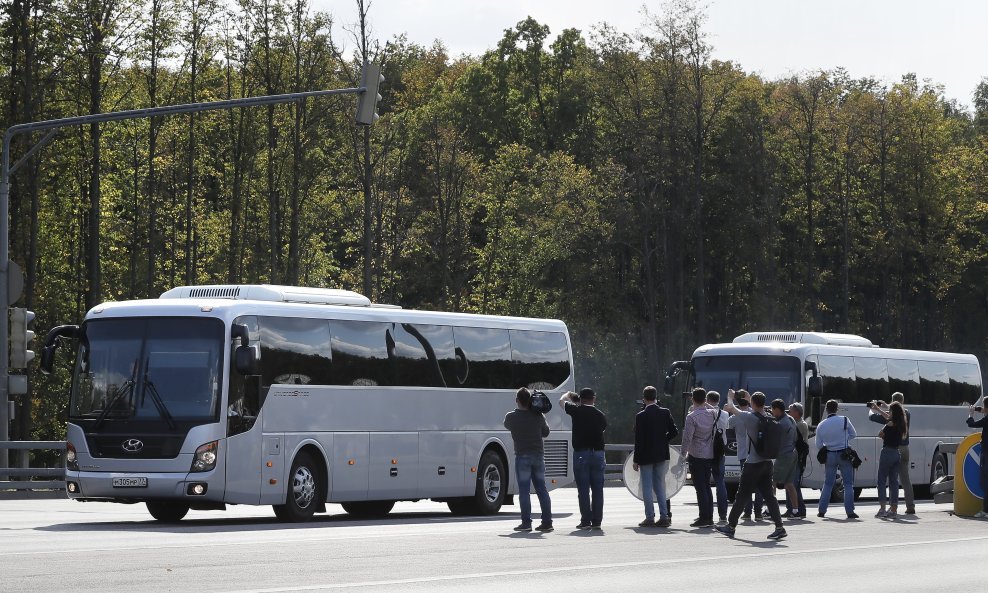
491,489
168,512
306,491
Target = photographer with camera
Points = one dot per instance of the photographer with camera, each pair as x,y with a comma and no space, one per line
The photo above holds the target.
881,415
834,434
740,400
589,424
654,428
889,461
528,429
983,425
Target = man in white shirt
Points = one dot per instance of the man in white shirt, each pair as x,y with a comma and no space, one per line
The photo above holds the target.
836,433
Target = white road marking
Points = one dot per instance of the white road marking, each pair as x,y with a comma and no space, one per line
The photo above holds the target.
591,567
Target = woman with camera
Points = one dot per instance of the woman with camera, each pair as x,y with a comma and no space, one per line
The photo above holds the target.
888,461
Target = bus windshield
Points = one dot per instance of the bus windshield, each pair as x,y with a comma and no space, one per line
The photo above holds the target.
778,377
148,369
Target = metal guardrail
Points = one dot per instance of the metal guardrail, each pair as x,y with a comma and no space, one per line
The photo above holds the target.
615,471
54,488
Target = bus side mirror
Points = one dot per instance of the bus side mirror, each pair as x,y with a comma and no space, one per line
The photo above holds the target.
815,387
51,345
246,360
669,385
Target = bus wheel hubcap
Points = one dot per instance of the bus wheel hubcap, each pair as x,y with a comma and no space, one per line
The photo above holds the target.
492,483
303,487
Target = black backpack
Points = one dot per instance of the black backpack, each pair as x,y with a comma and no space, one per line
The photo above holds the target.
718,437
769,440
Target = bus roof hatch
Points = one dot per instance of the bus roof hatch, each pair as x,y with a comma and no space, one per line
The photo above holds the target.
270,292
806,338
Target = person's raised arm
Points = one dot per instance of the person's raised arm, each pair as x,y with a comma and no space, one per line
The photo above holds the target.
545,426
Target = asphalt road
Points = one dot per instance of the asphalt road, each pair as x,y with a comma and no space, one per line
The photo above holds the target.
61,545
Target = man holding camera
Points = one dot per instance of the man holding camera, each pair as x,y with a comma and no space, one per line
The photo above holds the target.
528,428
698,449
983,425
881,415
835,433
589,424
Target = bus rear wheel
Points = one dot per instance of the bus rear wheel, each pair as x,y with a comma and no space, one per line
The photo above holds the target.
306,491
368,509
168,512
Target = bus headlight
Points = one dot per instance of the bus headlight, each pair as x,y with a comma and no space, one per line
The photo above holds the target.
205,458
71,459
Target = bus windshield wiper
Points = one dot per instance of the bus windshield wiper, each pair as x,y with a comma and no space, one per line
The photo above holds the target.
125,389
159,404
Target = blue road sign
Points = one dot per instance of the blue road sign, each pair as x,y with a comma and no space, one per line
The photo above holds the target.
972,471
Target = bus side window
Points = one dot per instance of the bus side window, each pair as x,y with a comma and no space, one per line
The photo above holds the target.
539,360
904,377
934,383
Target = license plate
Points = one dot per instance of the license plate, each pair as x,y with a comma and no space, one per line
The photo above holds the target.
732,473
130,482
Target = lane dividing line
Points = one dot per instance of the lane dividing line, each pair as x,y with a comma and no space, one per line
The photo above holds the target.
604,566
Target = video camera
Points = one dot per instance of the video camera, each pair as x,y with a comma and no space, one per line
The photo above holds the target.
540,402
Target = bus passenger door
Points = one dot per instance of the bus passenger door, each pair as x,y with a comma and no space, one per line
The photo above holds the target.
394,466
243,467
441,464
350,466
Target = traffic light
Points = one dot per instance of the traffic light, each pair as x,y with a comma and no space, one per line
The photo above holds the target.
367,101
20,337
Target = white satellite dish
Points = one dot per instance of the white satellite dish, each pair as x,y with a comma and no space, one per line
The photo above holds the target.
675,477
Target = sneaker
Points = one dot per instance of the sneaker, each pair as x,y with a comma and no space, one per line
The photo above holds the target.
801,515
746,517
702,523
758,516
852,515
821,514
881,514
981,515
544,527
779,533
726,530
647,523
910,510
583,526
788,515
524,527
722,521
664,522
890,515
596,528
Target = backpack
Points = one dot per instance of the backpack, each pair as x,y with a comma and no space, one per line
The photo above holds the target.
769,440
802,448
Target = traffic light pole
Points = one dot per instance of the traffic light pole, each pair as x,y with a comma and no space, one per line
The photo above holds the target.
52,127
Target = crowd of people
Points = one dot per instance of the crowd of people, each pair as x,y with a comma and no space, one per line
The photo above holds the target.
772,449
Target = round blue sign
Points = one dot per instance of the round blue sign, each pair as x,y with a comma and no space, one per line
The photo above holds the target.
972,471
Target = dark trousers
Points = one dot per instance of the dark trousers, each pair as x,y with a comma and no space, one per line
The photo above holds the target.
700,472
721,485
756,477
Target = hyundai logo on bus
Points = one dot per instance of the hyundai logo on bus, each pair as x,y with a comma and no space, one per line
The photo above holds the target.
132,446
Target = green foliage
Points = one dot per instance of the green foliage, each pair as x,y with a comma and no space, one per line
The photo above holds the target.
582,177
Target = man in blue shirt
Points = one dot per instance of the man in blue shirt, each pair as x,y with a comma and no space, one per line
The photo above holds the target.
835,433
983,425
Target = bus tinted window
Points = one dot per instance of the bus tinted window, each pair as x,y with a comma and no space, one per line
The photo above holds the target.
934,383
483,358
904,377
424,354
838,378
295,351
360,353
540,360
872,379
965,383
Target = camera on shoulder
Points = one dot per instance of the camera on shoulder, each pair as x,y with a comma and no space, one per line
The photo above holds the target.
540,402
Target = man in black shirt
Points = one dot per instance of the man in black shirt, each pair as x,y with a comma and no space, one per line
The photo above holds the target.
588,455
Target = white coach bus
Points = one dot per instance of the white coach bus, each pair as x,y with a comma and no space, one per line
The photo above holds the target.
810,368
295,397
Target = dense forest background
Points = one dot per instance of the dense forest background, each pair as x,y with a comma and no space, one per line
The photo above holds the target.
651,196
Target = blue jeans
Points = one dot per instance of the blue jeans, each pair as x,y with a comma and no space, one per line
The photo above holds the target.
653,477
888,475
700,471
835,461
530,469
721,485
588,469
